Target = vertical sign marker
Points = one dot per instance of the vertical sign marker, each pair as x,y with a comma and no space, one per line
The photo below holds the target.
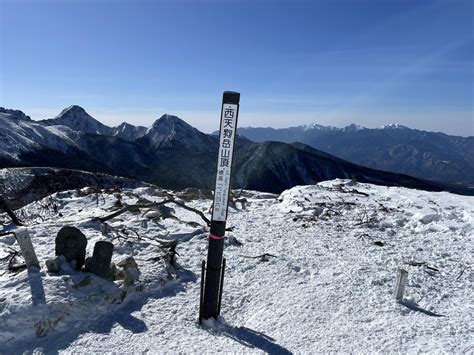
210,305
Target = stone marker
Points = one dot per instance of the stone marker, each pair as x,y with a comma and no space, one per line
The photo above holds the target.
99,264
402,276
27,250
71,243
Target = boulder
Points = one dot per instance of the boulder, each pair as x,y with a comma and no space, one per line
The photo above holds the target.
52,265
129,271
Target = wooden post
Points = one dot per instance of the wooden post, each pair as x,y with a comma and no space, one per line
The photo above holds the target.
27,250
213,278
400,285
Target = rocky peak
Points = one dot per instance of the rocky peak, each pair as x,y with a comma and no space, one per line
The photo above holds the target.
15,114
170,130
73,110
76,118
129,132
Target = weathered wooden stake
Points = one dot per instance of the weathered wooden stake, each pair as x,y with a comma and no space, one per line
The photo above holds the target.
23,238
400,285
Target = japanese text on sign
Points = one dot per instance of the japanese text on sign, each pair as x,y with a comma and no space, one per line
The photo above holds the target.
224,162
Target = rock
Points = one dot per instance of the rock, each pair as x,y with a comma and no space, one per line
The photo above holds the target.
129,272
52,265
152,214
128,262
86,191
99,264
192,193
233,241
104,228
428,218
84,282
166,212
71,243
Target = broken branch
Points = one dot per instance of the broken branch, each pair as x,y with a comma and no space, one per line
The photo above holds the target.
137,207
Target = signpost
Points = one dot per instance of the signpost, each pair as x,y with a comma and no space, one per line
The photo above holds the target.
213,274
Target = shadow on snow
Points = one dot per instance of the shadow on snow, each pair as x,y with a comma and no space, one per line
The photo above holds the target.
414,307
121,314
249,338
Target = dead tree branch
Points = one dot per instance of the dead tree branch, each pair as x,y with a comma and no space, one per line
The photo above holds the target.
137,207
340,188
7,233
263,257
4,206
422,264
461,273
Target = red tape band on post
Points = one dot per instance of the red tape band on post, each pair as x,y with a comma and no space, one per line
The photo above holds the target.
212,236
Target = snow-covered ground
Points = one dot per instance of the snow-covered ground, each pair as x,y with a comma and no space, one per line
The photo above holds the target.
327,285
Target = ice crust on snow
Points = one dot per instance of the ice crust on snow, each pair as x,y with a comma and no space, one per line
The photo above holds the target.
328,288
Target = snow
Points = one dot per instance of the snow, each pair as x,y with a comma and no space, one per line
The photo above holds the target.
315,126
393,126
326,287
19,136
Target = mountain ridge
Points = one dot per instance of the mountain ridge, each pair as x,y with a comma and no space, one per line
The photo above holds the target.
173,154
396,148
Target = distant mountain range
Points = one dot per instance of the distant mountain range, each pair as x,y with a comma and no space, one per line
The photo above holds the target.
173,154
396,148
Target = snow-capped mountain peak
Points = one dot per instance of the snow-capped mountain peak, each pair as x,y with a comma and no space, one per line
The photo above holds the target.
73,110
394,126
76,118
170,128
313,126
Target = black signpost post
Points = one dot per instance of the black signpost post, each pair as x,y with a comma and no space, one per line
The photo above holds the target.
213,270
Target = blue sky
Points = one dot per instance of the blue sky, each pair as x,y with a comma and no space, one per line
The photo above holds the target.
295,62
